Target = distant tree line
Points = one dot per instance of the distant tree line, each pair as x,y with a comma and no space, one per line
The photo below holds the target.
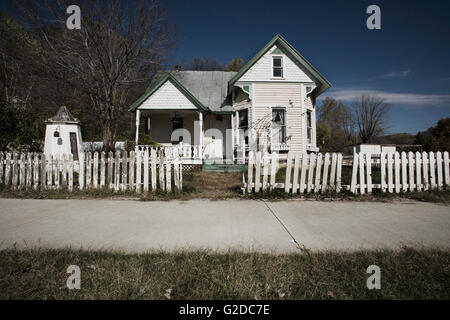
365,120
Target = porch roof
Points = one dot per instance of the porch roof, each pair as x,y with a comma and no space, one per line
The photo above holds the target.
208,90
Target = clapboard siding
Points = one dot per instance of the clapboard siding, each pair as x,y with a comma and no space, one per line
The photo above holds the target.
262,70
267,95
167,97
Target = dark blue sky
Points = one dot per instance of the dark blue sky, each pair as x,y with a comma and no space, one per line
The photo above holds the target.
407,61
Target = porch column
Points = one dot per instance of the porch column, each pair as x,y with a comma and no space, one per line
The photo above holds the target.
232,135
237,127
138,117
200,119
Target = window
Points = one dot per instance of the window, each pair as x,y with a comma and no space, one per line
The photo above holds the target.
243,123
277,63
309,125
279,125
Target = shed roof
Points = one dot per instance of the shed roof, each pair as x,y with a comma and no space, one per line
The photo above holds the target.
63,116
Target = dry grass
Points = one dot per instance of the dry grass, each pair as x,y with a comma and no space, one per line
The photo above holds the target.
405,274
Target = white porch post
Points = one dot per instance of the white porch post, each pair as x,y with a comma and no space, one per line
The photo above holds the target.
138,117
232,135
237,127
200,118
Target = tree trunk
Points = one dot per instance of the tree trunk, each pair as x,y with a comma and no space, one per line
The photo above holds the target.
109,135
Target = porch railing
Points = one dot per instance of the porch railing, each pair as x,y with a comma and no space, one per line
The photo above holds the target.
189,154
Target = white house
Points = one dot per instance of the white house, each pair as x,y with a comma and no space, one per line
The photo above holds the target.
272,99
63,135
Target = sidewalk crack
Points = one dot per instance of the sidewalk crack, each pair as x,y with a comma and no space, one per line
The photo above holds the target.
299,246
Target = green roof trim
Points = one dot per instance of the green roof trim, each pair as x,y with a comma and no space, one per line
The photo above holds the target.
167,77
278,39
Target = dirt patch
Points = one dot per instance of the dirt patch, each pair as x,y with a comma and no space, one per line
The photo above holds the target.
212,185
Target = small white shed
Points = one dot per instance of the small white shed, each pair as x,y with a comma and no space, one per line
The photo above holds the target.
63,135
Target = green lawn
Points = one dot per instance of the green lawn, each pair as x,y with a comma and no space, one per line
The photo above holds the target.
405,274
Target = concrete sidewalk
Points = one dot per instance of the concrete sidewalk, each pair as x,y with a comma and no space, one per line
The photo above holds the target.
135,226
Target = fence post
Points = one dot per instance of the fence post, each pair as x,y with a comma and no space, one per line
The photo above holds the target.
70,172
265,171
362,184
8,169
131,171
418,172
102,169
36,171
250,172
312,162
390,172
404,172
369,172
168,176
88,170
273,169
411,170
333,170
383,171
304,165
176,174
138,157
64,171
354,173
426,183
397,172
339,173
43,170
15,175
81,173
117,172
318,173
29,169
440,180
153,169
146,158
162,184
446,168
22,171
295,184
124,184
432,171
95,171
109,180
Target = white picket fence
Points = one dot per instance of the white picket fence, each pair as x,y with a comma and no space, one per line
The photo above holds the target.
319,173
138,171
401,172
304,172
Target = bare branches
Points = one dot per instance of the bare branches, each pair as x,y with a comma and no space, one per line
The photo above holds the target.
369,114
120,44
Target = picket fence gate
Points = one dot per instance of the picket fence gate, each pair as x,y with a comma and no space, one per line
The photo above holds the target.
138,171
401,172
304,172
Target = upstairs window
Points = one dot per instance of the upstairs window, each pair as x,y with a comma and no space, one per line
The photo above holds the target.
277,63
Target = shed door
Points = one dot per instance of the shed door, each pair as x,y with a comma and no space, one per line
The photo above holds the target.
74,145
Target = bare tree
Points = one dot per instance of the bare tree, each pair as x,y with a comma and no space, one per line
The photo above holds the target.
370,114
119,48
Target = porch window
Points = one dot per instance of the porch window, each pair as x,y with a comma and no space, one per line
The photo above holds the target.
277,63
309,125
278,125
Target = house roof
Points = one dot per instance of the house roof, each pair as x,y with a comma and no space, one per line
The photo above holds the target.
280,41
63,116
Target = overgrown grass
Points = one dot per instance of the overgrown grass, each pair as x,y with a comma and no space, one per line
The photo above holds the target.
405,274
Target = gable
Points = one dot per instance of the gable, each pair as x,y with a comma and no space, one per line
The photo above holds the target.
262,69
283,46
167,93
167,97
